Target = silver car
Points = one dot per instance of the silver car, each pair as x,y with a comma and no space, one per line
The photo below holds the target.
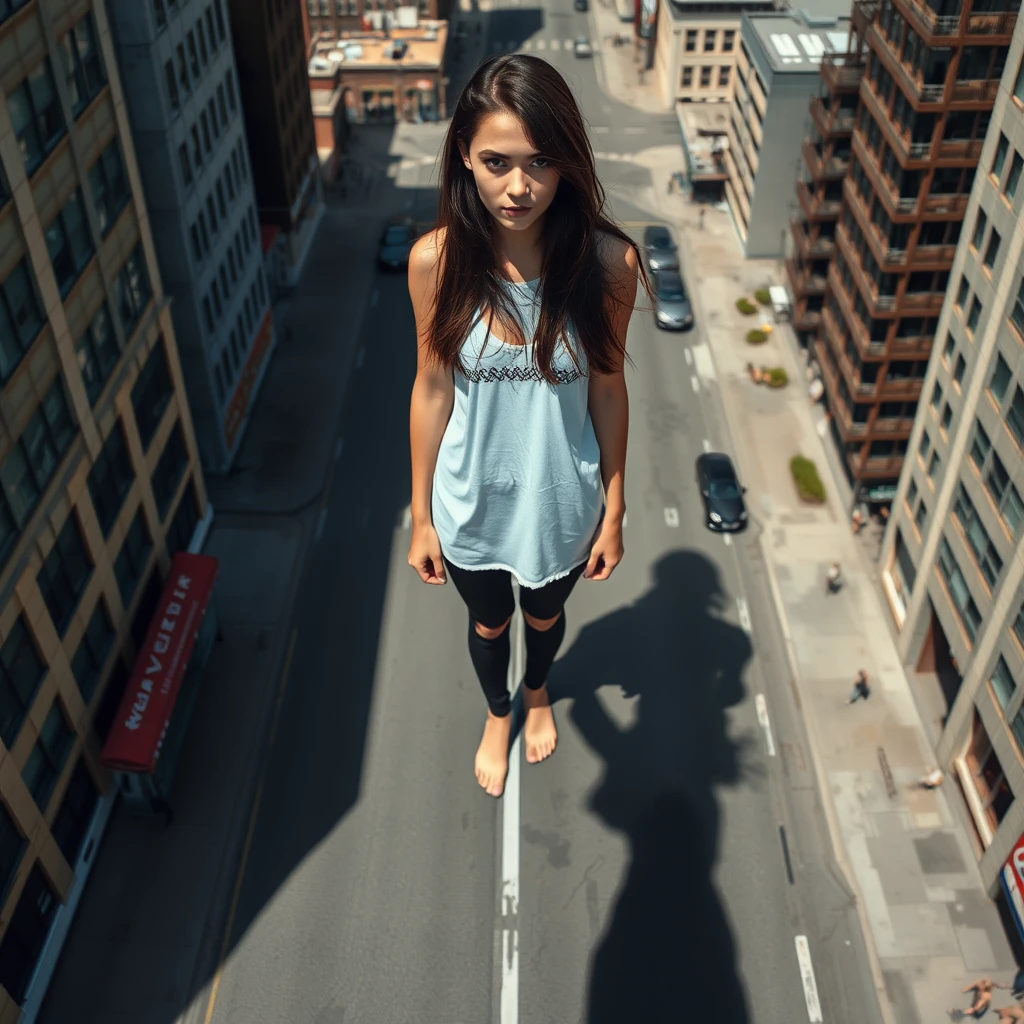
581,47
672,305
660,249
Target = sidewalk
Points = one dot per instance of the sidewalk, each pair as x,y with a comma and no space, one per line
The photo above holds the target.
929,925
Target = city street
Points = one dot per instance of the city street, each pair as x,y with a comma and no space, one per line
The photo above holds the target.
670,860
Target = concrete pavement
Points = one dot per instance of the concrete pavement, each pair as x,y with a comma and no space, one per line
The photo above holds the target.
907,853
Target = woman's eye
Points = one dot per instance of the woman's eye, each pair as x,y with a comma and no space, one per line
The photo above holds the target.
541,161
492,162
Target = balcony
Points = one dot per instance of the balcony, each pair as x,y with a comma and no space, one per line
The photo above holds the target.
841,72
1001,24
880,247
983,91
895,204
813,206
960,149
907,389
938,29
820,247
894,427
955,203
862,15
804,281
834,168
868,290
882,465
852,325
925,303
934,257
831,122
805,319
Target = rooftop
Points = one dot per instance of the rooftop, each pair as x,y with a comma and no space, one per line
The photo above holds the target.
704,127
679,9
794,42
420,47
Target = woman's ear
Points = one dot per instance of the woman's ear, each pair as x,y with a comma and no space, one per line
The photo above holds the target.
465,155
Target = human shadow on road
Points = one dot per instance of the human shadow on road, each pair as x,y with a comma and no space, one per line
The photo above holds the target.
667,953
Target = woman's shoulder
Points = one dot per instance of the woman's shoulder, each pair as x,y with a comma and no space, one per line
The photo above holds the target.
619,258
425,255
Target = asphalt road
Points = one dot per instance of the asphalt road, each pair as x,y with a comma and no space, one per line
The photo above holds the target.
661,865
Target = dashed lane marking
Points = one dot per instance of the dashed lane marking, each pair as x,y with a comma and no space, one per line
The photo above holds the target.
694,383
766,726
743,612
672,517
707,445
556,44
688,356
541,44
803,955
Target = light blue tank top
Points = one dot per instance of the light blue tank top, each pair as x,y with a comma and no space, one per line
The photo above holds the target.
517,484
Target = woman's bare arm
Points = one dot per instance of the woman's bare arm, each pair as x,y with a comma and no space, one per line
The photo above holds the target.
433,395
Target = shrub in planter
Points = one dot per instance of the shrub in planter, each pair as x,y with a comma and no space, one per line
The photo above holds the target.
756,337
777,377
763,296
746,307
805,476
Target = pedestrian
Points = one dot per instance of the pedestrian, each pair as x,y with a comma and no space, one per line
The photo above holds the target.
700,219
857,521
932,779
1009,1014
832,579
860,688
671,184
982,989
522,295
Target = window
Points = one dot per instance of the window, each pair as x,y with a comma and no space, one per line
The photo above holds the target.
46,761
91,655
97,353
110,186
131,559
64,574
215,291
691,40
911,494
958,370
197,150
183,525
169,470
222,105
962,291
710,40
21,672
1018,86
26,933
1018,626
980,223
1015,416
197,249
960,595
193,56
220,20
974,315
229,79
203,52
110,479
728,40
1002,682
920,516
933,465
222,206
1013,178
926,445
992,251
160,13
151,393
687,77
936,396
1002,148
69,243
208,314
186,164
172,87
204,123
981,446
947,417
977,536
1017,313
182,68
1000,379
705,77
211,34
132,290
20,318
109,703
36,116
76,812
211,109
947,349
724,73
83,69
224,282
12,845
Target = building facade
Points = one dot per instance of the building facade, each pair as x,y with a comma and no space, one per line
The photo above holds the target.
101,473
179,74
924,105
777,73
953,553
271,58
329,19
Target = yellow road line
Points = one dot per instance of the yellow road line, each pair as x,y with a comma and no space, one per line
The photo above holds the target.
253,817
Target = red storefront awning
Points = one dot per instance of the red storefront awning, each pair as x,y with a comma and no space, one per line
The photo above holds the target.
135,737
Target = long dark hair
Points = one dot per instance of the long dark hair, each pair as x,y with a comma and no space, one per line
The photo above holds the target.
576,283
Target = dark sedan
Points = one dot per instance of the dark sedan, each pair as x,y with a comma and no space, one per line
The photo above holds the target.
672,311
660,249
721,493
395,244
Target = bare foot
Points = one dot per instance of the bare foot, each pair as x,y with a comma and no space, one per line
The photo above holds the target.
539,731
492,754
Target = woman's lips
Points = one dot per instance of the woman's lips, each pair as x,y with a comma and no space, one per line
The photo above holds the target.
516,211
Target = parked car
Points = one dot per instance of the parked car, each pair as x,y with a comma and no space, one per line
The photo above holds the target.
721,493
672,309
580,5
582,47
395,244
660,249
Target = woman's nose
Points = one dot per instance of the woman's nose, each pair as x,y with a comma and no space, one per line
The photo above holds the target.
517,184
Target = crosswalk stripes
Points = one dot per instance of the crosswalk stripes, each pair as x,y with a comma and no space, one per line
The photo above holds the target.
555,44
542,44
527,45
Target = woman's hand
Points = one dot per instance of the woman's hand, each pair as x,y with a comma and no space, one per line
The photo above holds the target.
606,552
425,554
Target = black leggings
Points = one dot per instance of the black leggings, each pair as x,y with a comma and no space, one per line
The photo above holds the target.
489,598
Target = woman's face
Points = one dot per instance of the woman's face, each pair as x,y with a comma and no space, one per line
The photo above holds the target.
515,182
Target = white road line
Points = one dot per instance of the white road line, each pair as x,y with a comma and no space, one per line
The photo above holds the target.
320,523
601,129
688,356
634,131
672,517
541,45
528,45
509,1003
556,44
338,445
360,357
743,612
762,717
694,383
406,517
375,297
707,445
803,954
568,44
728,539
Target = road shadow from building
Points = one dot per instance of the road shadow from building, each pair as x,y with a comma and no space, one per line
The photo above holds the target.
667,952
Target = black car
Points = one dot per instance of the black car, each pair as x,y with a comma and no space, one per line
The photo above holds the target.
724,508
395,243
660,249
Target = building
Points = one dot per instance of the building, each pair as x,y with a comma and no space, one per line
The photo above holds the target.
777,73
271,57
924,104
379,77
101,472
330,19
186,119
696,45
953,553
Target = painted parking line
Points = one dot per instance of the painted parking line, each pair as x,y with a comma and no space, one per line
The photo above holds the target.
688,356
707,445
766,726
694,383
803,955
672,517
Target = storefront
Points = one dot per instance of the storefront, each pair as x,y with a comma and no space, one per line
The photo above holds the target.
148,732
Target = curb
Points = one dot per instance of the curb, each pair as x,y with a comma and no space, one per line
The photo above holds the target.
834,833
